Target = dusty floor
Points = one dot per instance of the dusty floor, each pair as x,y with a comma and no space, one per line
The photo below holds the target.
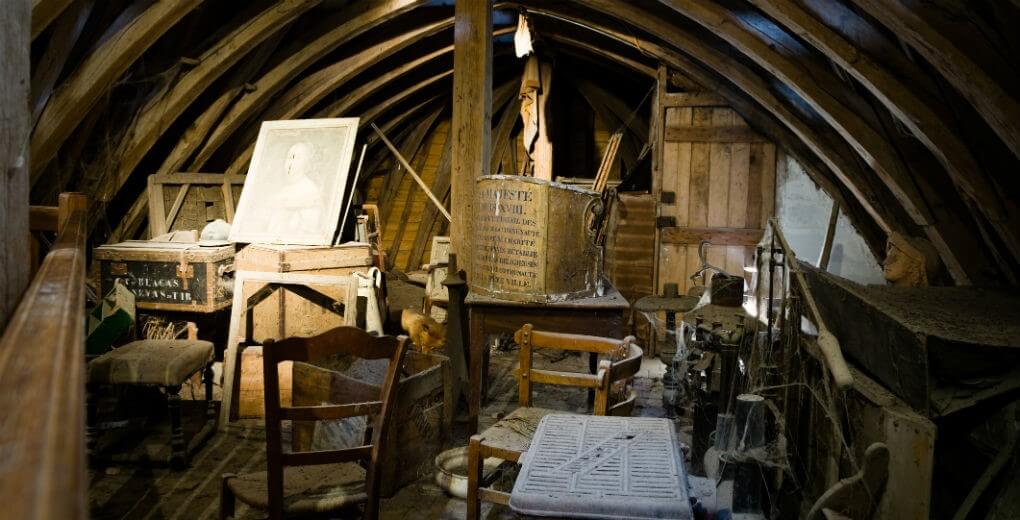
135,492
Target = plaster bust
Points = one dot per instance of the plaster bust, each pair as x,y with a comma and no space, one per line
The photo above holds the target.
909,261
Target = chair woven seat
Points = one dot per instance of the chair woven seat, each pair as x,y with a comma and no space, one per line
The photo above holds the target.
514,432
306,489
151,362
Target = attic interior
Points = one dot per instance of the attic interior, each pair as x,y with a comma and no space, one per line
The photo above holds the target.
700,259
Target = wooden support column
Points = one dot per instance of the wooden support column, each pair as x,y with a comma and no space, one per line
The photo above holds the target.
15,20
472,112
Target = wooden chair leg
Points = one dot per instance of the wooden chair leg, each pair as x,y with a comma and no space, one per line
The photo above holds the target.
227,501
92,423
474,471
178,448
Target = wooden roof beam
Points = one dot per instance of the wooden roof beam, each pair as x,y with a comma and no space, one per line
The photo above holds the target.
44,12
998,108
161,112
78,94
920,118
364,16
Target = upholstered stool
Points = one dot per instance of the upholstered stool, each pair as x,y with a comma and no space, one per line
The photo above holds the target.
162,363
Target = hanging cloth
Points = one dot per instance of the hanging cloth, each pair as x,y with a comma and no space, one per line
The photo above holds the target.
522,37
531,84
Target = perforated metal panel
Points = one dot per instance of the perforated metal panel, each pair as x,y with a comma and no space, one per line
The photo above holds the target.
603,467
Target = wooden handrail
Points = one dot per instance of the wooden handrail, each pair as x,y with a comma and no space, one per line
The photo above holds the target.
42,383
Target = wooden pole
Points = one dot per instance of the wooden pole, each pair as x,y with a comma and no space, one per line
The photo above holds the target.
15,21
414,175
830,237
472,114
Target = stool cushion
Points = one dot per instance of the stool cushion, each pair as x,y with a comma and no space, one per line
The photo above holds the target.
163,362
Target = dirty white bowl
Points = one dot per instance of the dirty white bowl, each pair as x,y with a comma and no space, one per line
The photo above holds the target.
451,474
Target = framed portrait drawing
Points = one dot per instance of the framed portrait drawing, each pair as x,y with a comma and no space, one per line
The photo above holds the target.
295,187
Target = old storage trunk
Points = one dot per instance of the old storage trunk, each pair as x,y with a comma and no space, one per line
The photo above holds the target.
533,240
169,276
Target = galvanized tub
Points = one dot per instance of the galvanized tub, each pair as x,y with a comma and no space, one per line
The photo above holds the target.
534,241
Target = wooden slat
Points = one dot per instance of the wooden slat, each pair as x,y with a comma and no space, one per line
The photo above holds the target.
554,377
718,236
42,218
313,458
42,388
496,497
329,412
693,99
718,134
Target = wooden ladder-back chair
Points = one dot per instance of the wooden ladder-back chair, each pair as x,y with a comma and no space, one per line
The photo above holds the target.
288,485
510,437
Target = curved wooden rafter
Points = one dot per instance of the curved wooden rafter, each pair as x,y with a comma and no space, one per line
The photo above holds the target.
362,19
299,100
130,224
998,108
195,135
240,163
162,111
44,12
876,150
96,75
772,64
869,144
922,120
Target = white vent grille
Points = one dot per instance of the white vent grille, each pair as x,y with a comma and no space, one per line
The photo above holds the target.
602,467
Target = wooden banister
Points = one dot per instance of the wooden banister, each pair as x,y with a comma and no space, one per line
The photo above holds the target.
42,383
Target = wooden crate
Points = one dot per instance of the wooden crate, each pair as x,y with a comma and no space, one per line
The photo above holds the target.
533,243
285,313
421,424
182,201
168,276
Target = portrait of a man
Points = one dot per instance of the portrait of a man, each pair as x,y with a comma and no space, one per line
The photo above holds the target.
296,183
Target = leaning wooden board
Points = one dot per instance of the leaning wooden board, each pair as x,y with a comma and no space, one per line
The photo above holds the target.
169,276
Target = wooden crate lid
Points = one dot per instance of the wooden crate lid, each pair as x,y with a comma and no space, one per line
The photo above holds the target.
288,258
148,251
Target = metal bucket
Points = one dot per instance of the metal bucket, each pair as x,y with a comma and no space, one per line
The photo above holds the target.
534,241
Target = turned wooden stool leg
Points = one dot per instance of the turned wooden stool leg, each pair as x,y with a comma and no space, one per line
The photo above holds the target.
92,423
207,378
177,446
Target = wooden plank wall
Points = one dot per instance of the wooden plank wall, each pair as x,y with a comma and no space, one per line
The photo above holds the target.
722,176
631,238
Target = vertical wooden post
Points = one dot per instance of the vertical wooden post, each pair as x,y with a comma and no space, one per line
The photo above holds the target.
15,255
472,113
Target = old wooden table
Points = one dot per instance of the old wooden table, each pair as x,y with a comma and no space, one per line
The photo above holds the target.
600,316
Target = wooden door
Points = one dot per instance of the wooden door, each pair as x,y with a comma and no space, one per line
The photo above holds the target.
717,183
